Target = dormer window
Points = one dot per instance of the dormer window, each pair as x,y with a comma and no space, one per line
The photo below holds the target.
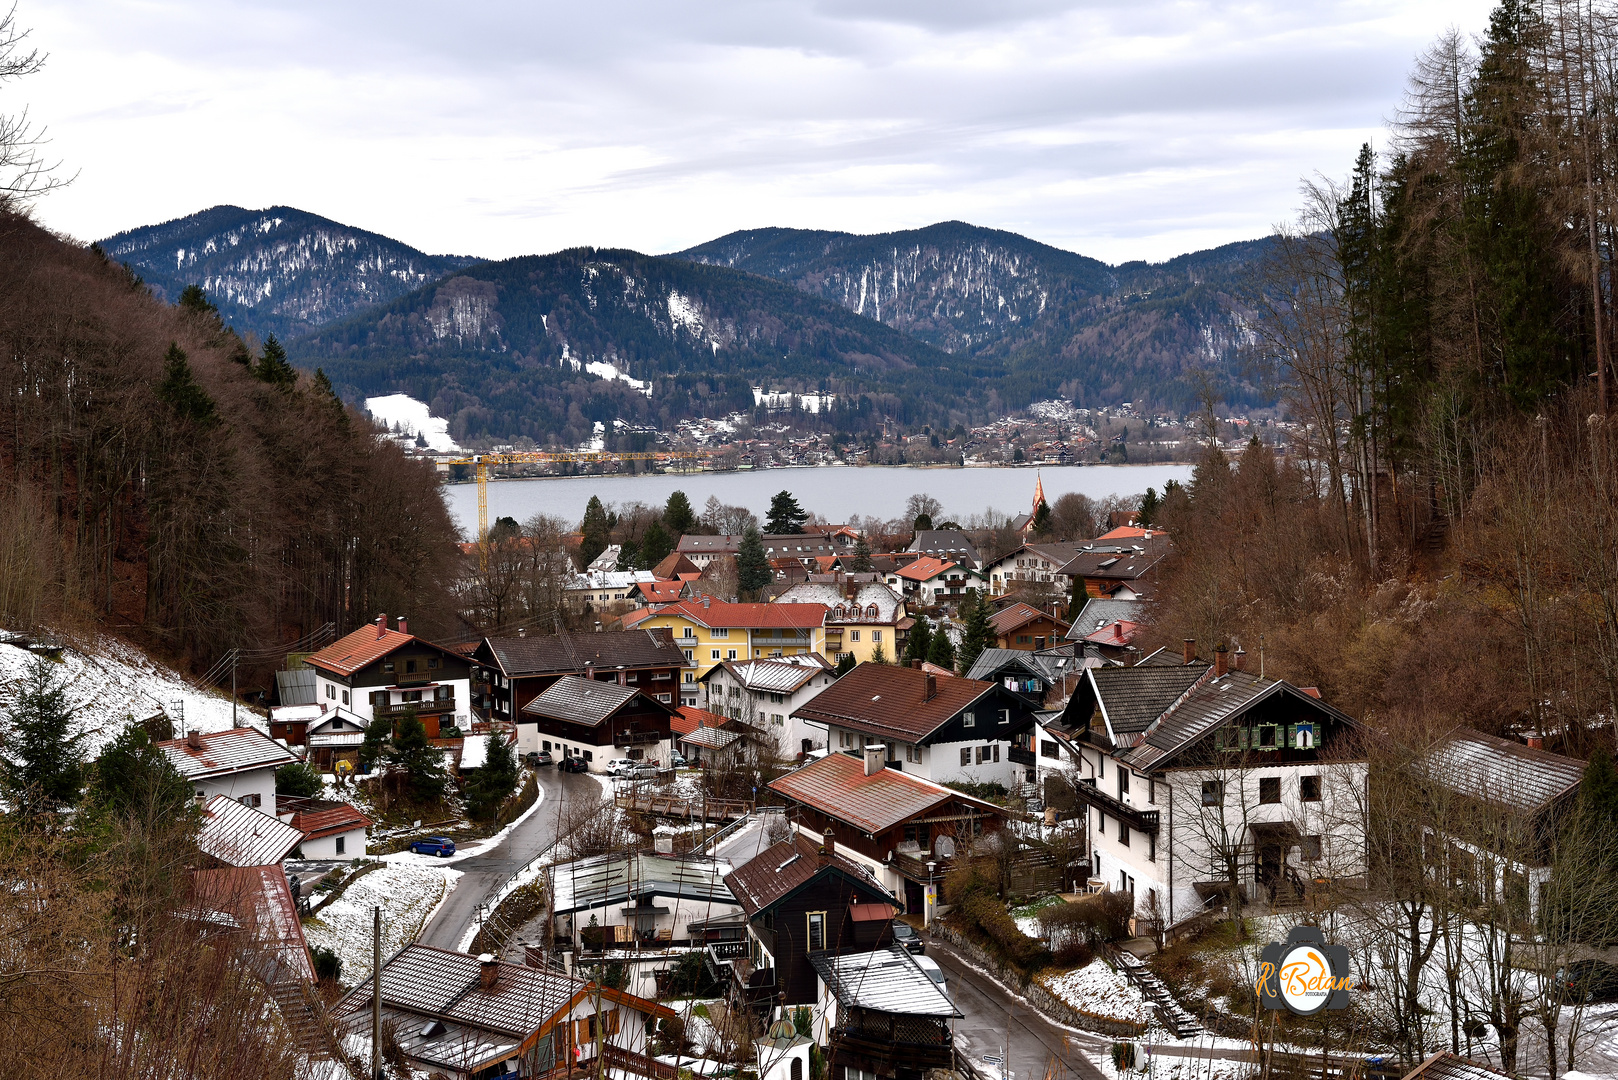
387,666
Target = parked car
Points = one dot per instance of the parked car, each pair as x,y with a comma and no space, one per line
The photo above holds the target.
573,764
541,758
1590,981
934,972
905,934
677,760
639,770
441,846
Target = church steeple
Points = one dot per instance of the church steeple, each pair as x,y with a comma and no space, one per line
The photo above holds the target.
1039,494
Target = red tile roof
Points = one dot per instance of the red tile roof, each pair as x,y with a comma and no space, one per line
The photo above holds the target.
719,613
782,868
1129,532
924,568
354,651
1121,632
687,718
837,786
260,899
660,592
315,818
884,700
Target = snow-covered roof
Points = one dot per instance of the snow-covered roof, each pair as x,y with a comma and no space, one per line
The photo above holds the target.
242,836
888,980
221,753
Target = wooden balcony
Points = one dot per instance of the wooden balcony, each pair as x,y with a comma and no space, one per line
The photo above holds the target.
429,705
1140,820
1019,756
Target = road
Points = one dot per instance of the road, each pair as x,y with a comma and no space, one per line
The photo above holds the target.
994,1019
484,874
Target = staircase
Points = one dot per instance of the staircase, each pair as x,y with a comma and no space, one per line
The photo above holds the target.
1182,1023
305,1018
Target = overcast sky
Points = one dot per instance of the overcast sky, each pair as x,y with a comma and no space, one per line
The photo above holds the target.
1119,128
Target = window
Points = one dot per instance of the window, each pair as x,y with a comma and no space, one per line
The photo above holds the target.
1101,827
845,739
1311,848
432,663
853,635
690,676
1123,784
1266,735
1213,793
1123,833
1269,789
665,698
997,751
966,758
331,691
968,720
716,654
876,637
778,719
251,800
1126,883
1309,788
345,697
817,931
730,654
797,1069
1047,748
1005,716
720,633
546,746
913,753
851,1073
342,845
410,667
1022,639
589,756
387,665
633,676
1151,846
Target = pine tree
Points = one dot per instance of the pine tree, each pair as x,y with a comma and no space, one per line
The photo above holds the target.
920,639
1148,507
942,650
1598,794
678,516
753,573
181,392
375,746
629,557
597,532
273,367
976,634
845,664
195,301
879,656
41,765
785,516
494,781
1042,519
862,556
419,760
134,776
327,396
1077,598
299,779
655,545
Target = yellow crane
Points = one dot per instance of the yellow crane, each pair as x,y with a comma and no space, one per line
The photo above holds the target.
481,463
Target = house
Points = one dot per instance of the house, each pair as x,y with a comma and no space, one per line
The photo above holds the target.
885,1017
1022,626
710,631
466,1017
767,694
1031,567
257,901
603,590
607,560
676,567
383,674
941,727
336,736
656,593
692,734
239,764
1183,763
329,830
702,550
1099,613
802,898
592,719
903,830
513,669
934,581
1045,679
290,723
1504,803
949,545
804,547
1121,572
862,617
238,835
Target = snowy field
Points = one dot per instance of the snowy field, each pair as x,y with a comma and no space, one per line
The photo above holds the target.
407,894
413,419
114,681
1097,990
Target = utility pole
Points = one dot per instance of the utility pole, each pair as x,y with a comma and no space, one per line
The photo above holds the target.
376,993
233,655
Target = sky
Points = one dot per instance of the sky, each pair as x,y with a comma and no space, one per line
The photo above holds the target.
1123,129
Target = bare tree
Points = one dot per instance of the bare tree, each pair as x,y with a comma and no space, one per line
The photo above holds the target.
24,175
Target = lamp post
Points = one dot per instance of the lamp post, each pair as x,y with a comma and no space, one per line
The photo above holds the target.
932,894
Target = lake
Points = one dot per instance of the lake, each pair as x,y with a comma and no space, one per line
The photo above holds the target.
835,493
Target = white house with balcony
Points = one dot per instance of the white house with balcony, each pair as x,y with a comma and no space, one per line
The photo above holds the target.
767,693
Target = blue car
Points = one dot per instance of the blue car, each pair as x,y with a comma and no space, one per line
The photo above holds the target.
442,846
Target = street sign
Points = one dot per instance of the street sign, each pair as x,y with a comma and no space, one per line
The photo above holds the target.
990,1059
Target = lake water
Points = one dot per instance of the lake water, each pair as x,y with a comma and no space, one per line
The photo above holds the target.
835,493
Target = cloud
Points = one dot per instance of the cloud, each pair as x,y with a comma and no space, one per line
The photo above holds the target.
1123,130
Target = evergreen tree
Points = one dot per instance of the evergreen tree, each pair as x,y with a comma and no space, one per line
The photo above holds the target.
299,779
273,367
976,634
325,394
597,532
1042,519
504,528
862,556
133,776
629,557
1598,794
181,392
785,516
41,765
655,546
922,523
920,639
195,301
375,746
419,760
493,783
845,664
1148,507
1077,598
942,650
753,573
879,656
678,516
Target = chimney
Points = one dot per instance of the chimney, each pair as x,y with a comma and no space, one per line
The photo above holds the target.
193,739
1190,650
488,971
916,664
1221,661
1241,658
404,627
876,759
381,625
932,686
705,598
522,631
589,669
828,847
1534,740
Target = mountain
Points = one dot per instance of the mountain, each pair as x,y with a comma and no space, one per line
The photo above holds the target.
544,346
1054,322
280,270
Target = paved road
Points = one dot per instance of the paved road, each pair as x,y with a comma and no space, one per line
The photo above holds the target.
482,875
994,1019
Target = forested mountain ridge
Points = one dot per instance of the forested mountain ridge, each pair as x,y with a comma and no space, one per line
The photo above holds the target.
279,270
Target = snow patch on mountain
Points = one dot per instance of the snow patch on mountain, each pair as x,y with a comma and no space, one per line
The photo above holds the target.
413,418
603,370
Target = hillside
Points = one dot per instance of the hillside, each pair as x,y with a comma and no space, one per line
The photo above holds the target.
545,345
278,270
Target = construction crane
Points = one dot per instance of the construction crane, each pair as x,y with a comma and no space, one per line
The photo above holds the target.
481,463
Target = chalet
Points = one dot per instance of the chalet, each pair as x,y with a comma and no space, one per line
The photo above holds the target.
598,721
1120,572
803,547
464,1017
710,631
239,764
932,580
1021,626
336,736
329,829
862,617
1181,760
383,674
702,550
654,594
801,898
1045,679
514,669
941,727
676,567
1031,567
604,590
950,545
767,694
904,830
884,1016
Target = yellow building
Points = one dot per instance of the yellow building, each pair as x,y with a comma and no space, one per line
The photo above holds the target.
711,631
860,618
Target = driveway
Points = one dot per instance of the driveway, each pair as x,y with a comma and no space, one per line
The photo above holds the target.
483,874
996,1020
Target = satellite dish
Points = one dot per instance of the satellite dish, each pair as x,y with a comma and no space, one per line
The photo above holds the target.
944,847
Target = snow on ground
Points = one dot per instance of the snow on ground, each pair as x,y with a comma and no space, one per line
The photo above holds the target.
1097,990
407,895
603,370
413,418
107,681
1167,1067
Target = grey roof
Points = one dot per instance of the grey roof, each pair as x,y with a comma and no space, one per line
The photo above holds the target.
1098,612
1212,704
1502,771
1110,566
295,687
614,879
553,654
239,835
784,675
888,980
709,737
1448,1066
1133,697
1047,665
226,752
579,700
945,542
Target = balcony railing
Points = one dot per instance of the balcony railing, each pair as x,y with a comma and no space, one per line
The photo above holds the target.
426,705
1019,756
726,951
1141,820
637,738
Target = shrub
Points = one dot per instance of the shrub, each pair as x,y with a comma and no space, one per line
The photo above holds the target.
1123,1056
298,779
997,925
328,965
1090,920
965,882
1074,954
